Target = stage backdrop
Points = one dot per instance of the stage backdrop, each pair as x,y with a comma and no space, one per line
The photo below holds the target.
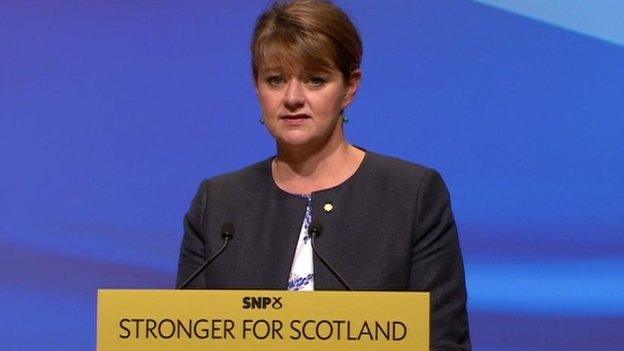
111,113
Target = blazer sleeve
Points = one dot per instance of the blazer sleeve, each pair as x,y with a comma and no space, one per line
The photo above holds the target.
193,245
437,265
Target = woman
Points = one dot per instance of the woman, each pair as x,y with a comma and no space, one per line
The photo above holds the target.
387,223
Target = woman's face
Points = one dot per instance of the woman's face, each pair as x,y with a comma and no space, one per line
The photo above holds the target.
303,108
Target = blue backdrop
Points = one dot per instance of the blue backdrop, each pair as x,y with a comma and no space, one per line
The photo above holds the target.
111,112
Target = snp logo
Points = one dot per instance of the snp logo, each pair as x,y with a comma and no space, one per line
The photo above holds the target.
262,302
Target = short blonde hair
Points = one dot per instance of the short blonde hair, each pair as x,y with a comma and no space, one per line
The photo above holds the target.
315,34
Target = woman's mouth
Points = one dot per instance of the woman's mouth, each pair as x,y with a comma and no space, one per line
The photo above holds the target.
295,120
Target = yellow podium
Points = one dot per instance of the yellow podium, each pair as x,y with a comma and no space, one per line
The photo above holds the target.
258,320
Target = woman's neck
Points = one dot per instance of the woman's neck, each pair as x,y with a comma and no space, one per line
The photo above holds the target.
304,170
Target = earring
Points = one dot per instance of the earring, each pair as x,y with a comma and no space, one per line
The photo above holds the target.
345,119
261,120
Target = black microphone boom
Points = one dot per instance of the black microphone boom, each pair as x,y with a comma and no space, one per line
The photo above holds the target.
315,230
227,232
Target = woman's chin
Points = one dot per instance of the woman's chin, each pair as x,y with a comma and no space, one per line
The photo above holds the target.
294,143
296,140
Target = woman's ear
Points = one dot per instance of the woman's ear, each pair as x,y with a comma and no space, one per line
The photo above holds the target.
255,84
352,85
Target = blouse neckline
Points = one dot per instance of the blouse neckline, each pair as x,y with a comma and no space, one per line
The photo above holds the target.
350,179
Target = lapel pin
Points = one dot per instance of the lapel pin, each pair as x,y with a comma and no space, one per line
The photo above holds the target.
328,207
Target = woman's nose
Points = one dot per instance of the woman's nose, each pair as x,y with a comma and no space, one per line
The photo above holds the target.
294,94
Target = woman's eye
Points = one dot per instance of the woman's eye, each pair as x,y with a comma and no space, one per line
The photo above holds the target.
316,81
275,80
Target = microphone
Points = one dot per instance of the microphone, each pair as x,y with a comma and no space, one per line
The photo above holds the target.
315,229
227,232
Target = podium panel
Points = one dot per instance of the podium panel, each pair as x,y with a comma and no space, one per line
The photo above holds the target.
259,320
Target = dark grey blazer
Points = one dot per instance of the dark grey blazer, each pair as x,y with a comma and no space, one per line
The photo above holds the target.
391,228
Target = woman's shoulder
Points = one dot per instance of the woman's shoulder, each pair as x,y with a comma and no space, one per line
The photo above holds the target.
244,179
397,168
404,178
